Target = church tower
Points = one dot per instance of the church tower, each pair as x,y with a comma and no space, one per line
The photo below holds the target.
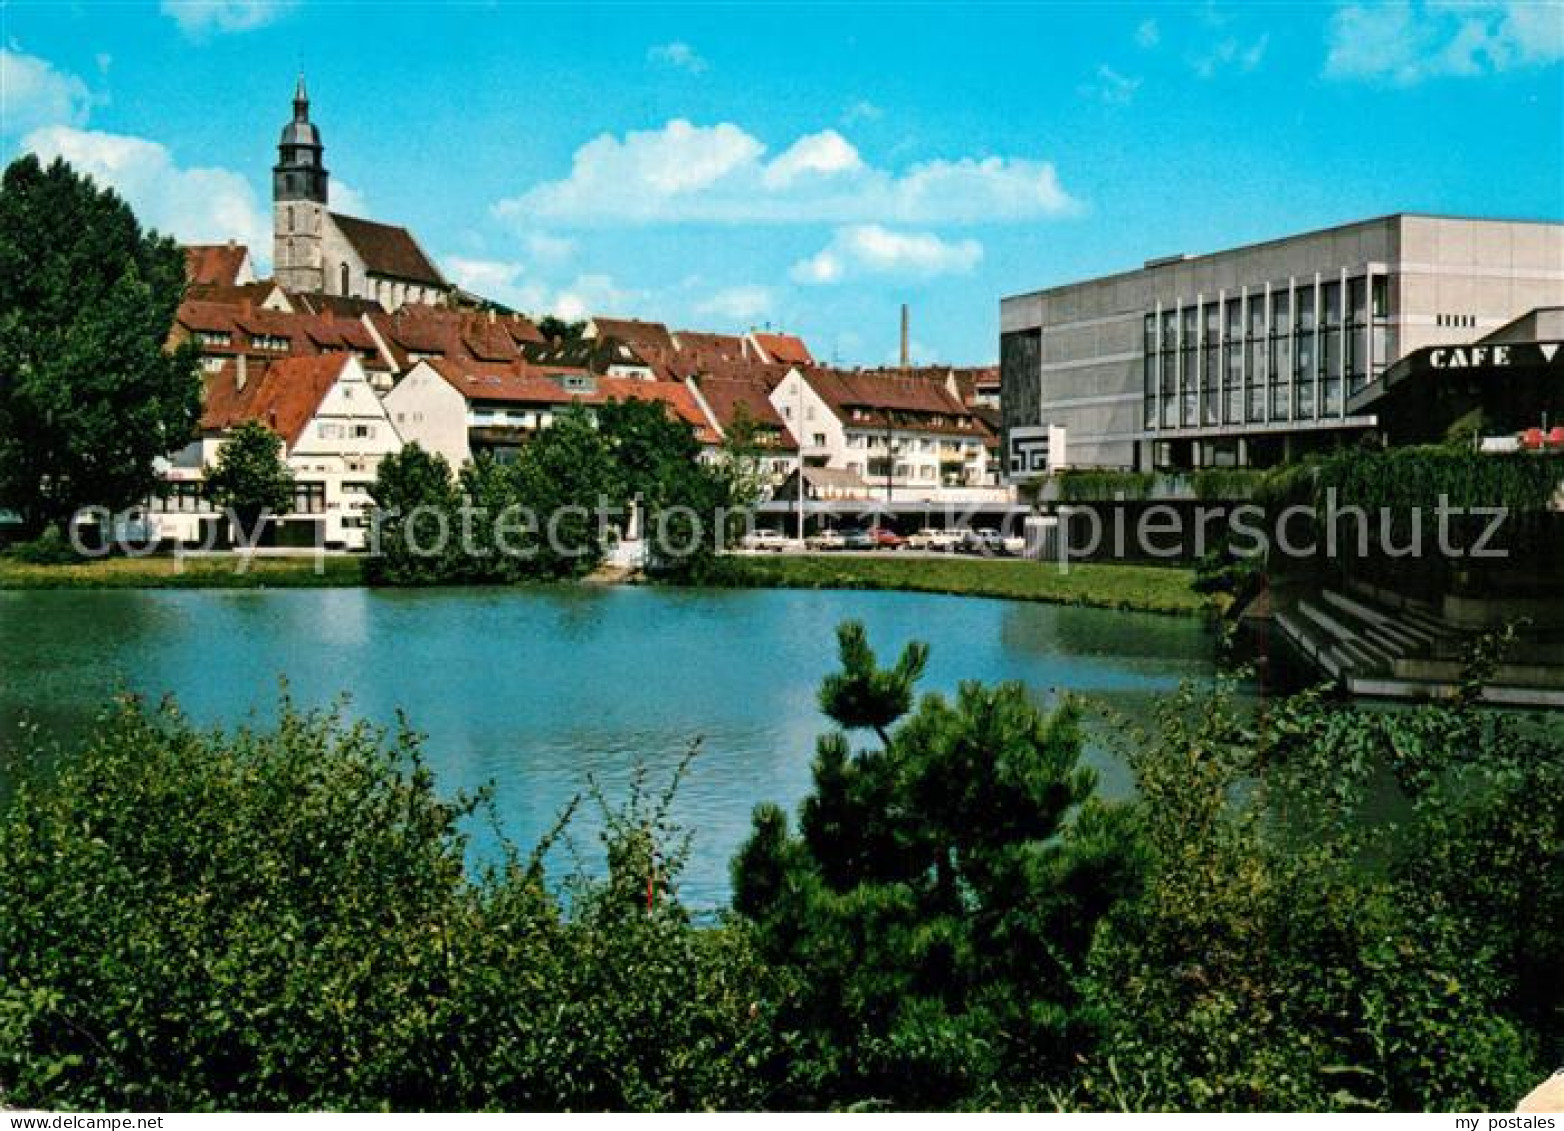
299,188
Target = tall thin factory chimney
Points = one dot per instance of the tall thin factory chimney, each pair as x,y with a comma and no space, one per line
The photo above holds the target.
906,357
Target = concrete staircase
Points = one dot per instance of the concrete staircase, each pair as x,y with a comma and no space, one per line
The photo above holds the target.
1403,653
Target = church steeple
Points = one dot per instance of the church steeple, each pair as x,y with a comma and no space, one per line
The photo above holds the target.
299,195
300,173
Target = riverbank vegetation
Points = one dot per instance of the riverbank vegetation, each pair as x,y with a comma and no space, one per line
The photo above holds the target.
1316,907
1104,585
219,571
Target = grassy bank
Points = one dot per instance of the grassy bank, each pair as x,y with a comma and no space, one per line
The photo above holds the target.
191,573
1153,589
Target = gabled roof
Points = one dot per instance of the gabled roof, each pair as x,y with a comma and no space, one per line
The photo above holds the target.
787,349
912,403
457,334
518,383
678,399
343,306
719,347
729,397
510,383
238,294
220,264
283,395
633,331
387,249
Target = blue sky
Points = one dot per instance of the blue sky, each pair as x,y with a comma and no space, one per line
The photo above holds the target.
810,166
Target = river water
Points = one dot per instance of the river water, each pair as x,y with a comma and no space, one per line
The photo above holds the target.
535,690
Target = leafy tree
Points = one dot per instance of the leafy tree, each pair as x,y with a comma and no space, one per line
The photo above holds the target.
564,475
251,477
559,330
415,502
938,900
89,393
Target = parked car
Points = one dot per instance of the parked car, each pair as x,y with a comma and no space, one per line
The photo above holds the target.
758,540
942,541
986,540
887,539
858,538
826,540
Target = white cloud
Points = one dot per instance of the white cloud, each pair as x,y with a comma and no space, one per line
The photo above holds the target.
1404,43
870,249
678,55
487,277
824,153
508,282
195,205
1111,87
745,303
33,94
1148,34
690,173
1231,54
347,199
200,18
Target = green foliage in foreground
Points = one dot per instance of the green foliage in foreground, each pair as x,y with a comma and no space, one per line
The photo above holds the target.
1350,909
282,920
1140,588
1322,907
940,895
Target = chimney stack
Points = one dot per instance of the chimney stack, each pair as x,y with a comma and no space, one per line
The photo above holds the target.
241,372
906,358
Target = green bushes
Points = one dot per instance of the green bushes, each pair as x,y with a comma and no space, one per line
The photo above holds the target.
1315,936
551,513
1093,485
283,920
1319,907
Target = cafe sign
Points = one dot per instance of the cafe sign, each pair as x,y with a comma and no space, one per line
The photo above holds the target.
1494,356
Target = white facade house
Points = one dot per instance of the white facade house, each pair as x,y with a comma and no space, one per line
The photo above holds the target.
908,439
335,432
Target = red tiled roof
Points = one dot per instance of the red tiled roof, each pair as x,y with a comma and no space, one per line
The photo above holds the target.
728,397
912,403
282,395
783,348
387,249
511,383
676,397
719,347
214,264
635,332
343,306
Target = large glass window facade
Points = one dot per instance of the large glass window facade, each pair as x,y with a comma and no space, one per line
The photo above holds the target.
1331,358
1188,366
1291,352
1211,366
1281,355
1255,359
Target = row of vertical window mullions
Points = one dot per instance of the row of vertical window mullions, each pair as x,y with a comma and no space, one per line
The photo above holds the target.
1231,369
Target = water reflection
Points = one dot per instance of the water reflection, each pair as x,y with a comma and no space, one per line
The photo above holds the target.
536,690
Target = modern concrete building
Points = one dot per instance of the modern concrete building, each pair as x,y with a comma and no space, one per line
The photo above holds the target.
1255,355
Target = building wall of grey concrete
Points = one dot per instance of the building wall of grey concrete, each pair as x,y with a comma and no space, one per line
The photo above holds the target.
1217,357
